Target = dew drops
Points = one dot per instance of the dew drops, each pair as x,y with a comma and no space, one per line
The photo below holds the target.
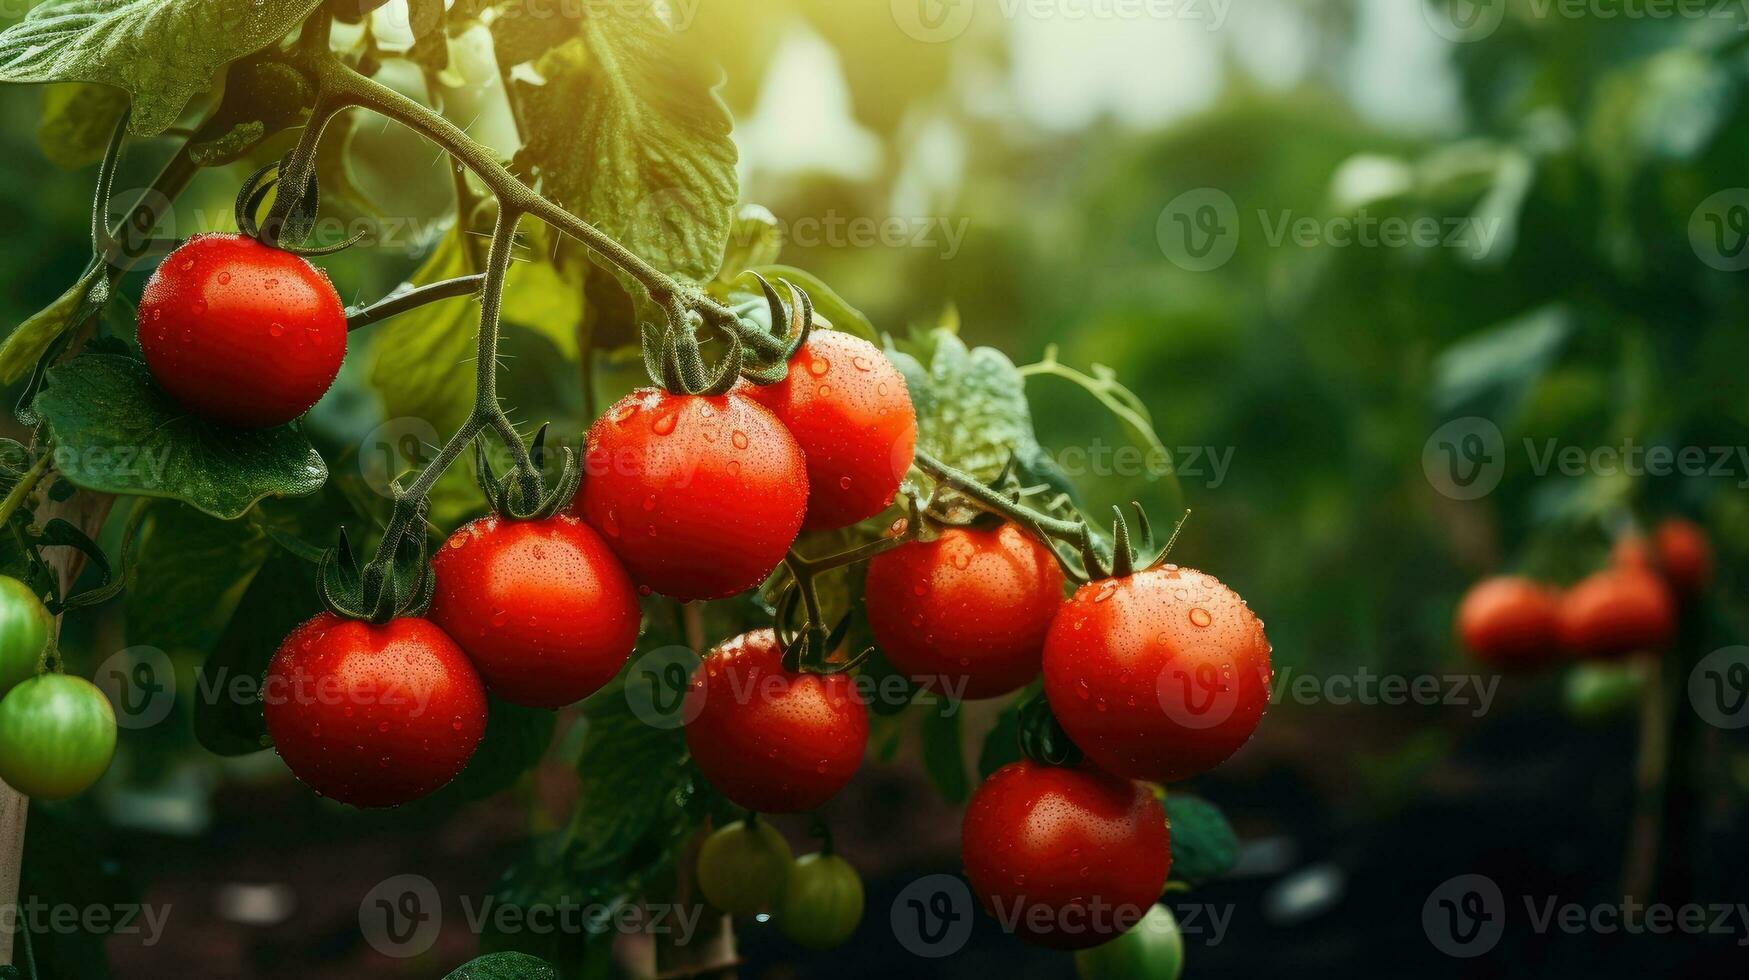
649,503
739,439
1200,617
819,366
276,329
187,264
844,483
224,277
825,391
664,424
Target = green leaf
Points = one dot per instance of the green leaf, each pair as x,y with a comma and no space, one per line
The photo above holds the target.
161,52
944,752
755,240
227,712
505,966
115,431
1002,745
1204,845
516,739
627,774
971,407
190,571
77,121
546,296
1489,373
627,132
27,344
424,360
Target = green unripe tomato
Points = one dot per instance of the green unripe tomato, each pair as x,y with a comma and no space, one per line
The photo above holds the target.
742,869
1595,692
57,735
1152,950
822,904
25,625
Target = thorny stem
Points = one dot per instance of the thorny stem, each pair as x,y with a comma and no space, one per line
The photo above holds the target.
341,86
413,299
995,502
22,491
300,166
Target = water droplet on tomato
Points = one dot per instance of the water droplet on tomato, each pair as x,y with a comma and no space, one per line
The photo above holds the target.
819,366
739,439
276,329
1200,617
844,483
664,424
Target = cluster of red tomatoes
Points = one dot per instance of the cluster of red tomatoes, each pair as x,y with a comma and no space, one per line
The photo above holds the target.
1513,622
1155,676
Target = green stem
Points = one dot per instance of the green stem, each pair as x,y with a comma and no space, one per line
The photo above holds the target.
26,484
412,299
345,86
990,500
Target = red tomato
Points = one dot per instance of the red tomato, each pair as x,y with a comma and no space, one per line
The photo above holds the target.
1157,676
373,715
701,497
241,333
1687,555
1617,611
542,608
967,613
1065,858
851,413
1684,555
1511,622
769,739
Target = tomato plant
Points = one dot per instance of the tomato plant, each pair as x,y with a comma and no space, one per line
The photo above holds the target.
241,333
373,715
1065,857
25,627
966,613
854,523
742,867
542,608
769,738
57,735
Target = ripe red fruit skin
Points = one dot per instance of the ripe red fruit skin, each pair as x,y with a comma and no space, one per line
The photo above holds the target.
372,715
1160,675
1617,611
1041,839
240,333
1511,622
542,608
1687,556
1684,555
967,613
700,497
851,412
771,740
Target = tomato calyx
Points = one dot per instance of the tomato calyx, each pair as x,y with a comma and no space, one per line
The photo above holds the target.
521,494
1042,738
397,582
291,220
791,325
